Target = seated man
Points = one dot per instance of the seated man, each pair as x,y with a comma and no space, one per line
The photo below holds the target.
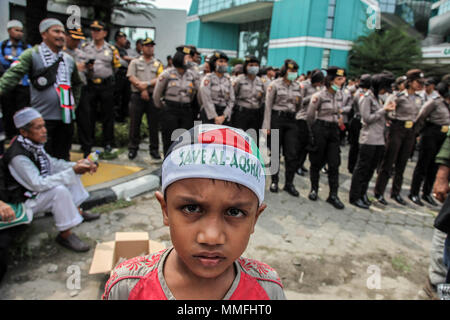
43,183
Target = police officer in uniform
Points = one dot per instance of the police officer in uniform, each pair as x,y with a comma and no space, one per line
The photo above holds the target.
194,66
249,92
354,125
216,92
309,87
122,87
372,111
324,117
283,101
142,74
174,93
73,38
435,115
346,108
401,137
101,81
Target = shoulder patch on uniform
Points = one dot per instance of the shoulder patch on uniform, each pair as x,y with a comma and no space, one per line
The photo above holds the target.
206,82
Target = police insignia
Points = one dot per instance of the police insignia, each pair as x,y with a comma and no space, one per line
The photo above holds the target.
206,82
340,72
186,50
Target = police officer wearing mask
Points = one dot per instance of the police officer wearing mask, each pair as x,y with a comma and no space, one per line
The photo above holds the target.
106,61
174,93
249,92
354,126
372,111
283,101
309,87
435,118
401,137
324,117
216,92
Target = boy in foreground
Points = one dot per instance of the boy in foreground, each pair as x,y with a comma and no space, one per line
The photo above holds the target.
212,195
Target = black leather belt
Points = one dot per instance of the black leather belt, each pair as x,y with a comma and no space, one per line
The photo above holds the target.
284,114
240,109
176,104
328,124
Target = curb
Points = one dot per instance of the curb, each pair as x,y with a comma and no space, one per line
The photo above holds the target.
125,190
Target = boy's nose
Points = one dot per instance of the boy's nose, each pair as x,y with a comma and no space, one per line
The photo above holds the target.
212,232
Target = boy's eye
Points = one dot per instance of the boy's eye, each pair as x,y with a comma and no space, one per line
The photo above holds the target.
191,208
234,212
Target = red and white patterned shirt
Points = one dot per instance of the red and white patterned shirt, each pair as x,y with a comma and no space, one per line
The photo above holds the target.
142,278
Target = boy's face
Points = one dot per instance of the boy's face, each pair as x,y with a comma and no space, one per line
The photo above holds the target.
210,223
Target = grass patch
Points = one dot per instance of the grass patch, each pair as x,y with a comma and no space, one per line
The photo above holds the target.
109,207
400,264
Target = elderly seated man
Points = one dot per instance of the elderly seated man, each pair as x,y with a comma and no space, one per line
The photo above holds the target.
45,183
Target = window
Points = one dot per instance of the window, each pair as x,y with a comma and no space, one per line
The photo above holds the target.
330,19
325,58
387,5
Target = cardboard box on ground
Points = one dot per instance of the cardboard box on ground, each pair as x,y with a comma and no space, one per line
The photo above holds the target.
127,245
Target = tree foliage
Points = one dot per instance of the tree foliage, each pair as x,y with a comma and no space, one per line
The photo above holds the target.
393,50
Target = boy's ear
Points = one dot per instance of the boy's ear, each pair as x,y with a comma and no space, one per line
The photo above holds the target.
258,213
160,197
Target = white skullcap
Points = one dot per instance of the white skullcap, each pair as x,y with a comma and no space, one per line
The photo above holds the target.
14,24
47,23
25,116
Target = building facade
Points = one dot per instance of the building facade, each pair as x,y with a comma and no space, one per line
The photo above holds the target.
315,33
167,35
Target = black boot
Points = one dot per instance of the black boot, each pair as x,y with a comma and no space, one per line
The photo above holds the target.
398,199
381,199
360,204
334,200
290,188
428,198
415,198
366,200
313,195
274,187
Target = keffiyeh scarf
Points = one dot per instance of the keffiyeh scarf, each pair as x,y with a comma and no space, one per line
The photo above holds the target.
39,154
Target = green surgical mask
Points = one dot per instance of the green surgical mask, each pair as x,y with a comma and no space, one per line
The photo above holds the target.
291,76
335,87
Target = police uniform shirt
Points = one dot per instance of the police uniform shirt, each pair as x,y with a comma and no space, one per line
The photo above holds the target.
172,86
359,94
79,56
282,96
373,119
327,106
408,106
266,82
307,92
217,91
249,93
347,100
107,59
122,53
144,71
436,112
